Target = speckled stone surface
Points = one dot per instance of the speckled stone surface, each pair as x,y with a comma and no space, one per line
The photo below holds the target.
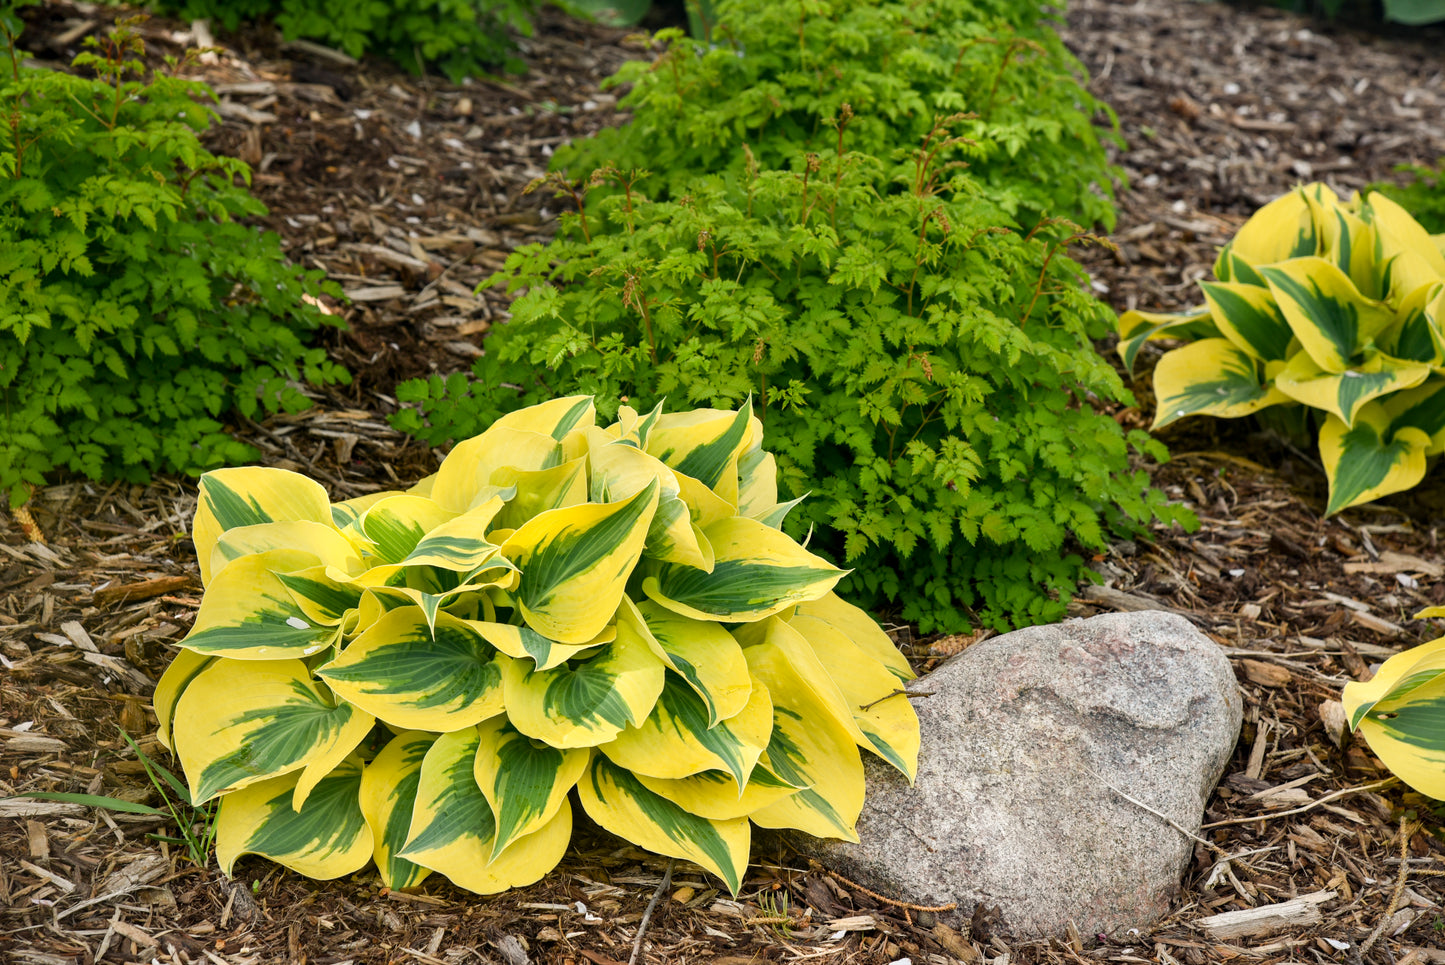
1022,740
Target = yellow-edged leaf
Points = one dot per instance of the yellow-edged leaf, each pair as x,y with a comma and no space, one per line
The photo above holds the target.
183,668
703,654
1400,712
321,540
466,471
248,613
327,838
540,490
388,796
1398,232
241,722
1248,316
231,498
414,678
677,741
575,564
524,781
1421,408
621,470
1280,230
1210,377
1342,394
884,715
396,525
452,825
714,794
1370,460
617,801
705,444
1329,316
1137,328
860,628
588,702
810,750
757,571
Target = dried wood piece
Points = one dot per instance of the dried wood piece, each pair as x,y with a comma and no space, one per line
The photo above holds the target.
375,293
1133,603
1266,919
1393,562
132,592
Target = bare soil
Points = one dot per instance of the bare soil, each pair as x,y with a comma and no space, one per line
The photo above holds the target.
408,192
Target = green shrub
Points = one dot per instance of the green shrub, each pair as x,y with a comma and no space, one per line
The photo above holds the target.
924,368
457,37
134,311
778,73
562,605
1423,196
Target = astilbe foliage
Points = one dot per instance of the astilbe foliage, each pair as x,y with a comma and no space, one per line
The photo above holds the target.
776,75
924,365
457,37
422,678
134,310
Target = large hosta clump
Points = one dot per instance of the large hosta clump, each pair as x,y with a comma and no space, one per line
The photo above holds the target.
422,678
1335,309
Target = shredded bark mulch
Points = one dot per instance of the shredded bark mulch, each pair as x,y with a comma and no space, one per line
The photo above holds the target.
408,192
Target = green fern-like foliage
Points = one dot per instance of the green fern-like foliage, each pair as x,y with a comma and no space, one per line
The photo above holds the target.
776,75
134,311
456,37
923,366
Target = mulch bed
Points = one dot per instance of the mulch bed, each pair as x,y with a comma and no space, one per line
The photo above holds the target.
408,193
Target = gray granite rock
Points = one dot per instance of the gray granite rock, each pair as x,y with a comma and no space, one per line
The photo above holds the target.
1022,739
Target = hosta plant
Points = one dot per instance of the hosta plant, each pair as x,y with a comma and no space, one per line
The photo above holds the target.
1401,713
1336,306
422,678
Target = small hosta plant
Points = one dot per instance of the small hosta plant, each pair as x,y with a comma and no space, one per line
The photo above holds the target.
1336,306
1401,713
423,678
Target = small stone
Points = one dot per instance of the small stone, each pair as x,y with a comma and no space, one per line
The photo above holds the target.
1031,742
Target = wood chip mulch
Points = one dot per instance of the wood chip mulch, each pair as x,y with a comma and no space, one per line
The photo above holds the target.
408,193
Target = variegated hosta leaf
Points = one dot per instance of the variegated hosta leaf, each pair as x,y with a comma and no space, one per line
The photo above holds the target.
326,838
1349,242
810,750
705,506
620,470
618,802
588,703
757,482
430,589
346,515
524,643
1398,232
230,498
388,796
575,564
1329,316
1136,328
248,612
757,571
524,781
705,444
883,714
540,490
1416,333
452,825
555,418
397,524
676,740
1210,377
714,794
321,540
862,629
1342,394
178,676
1422,408
470,465
414,678
1370,460
703,654
1280,230
1248,316
808,671
241,722
460,543
1401,712
634,428
1230,267
322,597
